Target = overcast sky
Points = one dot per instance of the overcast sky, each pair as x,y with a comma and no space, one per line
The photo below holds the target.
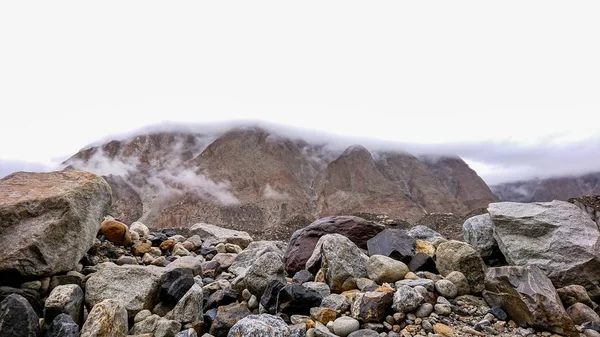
515,85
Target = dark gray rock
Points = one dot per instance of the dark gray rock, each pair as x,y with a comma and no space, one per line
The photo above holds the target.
394,243
422,262
294,299
17,318
63,326
303,276
176,284
424,233
269,297
32,296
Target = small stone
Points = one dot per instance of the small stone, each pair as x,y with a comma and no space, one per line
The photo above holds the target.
399,317
122,260
140,248
344,326
427,325
323,315
406,299
424,310
446,288
220,248
443,309
253,302
460,281
382,269
231,248
303,276
489,317
411,276
32,285
498,313
166,245
443,329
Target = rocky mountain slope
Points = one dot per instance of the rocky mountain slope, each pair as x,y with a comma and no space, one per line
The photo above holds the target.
265,182
559,188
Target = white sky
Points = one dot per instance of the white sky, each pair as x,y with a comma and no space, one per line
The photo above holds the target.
436,72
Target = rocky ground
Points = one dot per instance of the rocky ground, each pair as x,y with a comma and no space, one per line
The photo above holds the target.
339,276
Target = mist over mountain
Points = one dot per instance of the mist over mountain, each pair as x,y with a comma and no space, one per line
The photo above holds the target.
266,179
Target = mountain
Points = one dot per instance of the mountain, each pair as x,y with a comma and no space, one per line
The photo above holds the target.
268,183
548,189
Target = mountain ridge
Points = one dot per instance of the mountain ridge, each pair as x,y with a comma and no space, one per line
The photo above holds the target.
258,180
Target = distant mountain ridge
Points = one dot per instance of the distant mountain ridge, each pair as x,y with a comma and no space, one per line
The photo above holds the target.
548,189
262,181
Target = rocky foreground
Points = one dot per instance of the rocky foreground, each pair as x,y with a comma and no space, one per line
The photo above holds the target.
67,269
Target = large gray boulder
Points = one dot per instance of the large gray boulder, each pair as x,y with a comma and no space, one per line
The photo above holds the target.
266,268
340,261
528,297
478,231
255,249
49,220
136,287
556,236
17,318
212,235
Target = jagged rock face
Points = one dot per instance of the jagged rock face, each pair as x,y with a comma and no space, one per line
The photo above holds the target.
414,177
127,205
353,183
557,188
269,185
462,182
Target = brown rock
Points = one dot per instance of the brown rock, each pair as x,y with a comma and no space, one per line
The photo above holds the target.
528,297
115,232
581,313
443,329
140,248
459,256
48,221
323,315
575,293
303,241
166,245
226,318
371,306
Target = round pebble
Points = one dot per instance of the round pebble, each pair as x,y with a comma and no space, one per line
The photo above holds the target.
446,288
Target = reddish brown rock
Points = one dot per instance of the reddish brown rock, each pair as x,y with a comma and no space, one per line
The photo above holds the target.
115,232
166,245
303,241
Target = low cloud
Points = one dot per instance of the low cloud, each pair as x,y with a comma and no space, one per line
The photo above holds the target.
271,193
495,162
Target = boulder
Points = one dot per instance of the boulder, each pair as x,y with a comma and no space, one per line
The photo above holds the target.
226,317
385,269
107,318
575,293
581,313
255,249
266,268
459,256
136,287
340,261
189,307
406,299
212,235
263,325
294,299
394,243
372,306
49,220
556,236
17,318
478,231
303,241
528,297
63,326
65,299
